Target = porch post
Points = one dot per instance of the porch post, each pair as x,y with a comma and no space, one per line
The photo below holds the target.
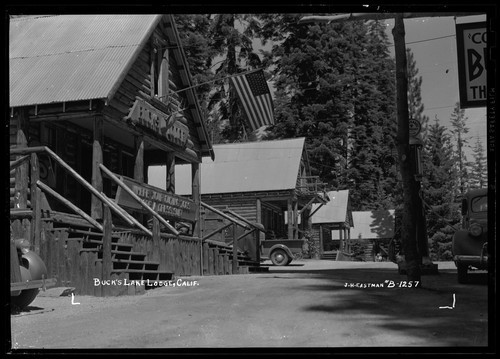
96,210
139,168
320,249
295,220
290,218
196,196
170,173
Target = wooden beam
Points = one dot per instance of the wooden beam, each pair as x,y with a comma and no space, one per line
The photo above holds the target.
18,161
222,214
170,172
196,197
380,16
21,185
97,157
139,159
235,251
213,233
107,262
290,218
36,223
138,199
70,205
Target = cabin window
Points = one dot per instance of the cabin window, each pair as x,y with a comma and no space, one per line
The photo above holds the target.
159,70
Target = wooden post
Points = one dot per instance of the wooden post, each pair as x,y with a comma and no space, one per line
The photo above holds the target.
321,248
235,251
295,220
36,223
21,186
196,197
97,158
156,235
139,159
107,262
290,218
139,168
170,173
259,236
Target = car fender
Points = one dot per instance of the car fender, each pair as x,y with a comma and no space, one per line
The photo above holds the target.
281,246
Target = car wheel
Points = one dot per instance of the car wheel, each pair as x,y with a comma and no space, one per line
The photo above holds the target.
32,268
26,296
279,257
462,273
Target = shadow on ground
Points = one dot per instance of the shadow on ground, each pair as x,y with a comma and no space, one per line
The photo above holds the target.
440,309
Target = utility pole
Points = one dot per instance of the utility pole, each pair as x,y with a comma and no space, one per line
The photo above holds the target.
414,241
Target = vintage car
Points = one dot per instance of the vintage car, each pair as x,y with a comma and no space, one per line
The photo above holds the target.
470,245
281,252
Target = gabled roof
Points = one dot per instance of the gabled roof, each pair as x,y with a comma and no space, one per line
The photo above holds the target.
246,167
373,224
335,211
64,58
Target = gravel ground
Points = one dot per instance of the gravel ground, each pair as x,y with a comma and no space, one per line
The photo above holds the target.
309,304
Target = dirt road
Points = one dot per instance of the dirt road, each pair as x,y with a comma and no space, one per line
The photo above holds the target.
308,304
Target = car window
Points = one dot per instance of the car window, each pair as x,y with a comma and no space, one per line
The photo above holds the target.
479,204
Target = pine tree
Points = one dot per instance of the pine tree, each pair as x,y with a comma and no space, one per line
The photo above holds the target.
459,129
217,46
415,105
232,38
439,186
335,87
478,168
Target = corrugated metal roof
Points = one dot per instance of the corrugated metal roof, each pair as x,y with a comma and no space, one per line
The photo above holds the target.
246,167
335,211
372,224
72,57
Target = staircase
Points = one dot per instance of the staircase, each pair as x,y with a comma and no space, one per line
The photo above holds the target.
245,263
329,255
128,266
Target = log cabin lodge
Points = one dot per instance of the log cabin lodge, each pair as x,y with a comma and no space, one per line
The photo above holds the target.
95,101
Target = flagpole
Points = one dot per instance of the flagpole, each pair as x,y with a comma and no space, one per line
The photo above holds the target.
223,78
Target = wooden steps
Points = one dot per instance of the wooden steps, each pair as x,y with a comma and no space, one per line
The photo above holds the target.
127,264
331,255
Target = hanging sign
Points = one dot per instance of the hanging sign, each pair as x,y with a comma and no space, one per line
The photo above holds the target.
166,204
472,59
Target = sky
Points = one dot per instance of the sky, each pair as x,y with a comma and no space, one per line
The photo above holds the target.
432,41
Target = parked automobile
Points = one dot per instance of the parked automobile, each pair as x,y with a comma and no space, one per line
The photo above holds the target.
281,252
470,244
28,274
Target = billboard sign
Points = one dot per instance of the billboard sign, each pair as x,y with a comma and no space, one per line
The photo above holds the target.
472,59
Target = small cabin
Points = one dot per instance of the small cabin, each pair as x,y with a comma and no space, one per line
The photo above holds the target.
331,225
373,230
95,100
265,182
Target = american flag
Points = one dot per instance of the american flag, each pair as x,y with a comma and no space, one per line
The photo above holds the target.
255,97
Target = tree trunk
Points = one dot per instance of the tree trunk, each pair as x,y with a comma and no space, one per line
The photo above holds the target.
410,194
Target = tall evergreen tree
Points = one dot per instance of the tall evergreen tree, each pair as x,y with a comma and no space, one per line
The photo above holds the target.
335,87
439,186
415,105
232,38
459,129
478,168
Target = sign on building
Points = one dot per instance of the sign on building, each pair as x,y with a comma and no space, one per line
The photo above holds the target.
168,205
472,59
